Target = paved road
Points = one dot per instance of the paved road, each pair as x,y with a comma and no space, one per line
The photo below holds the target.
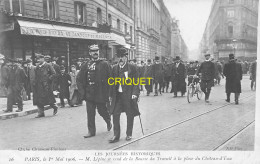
67,128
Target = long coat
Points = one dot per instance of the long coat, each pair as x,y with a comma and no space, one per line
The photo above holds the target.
42,92
131,106
63,83
98,92
31,75
233,72
179,75
208,70
17,77
4,71
158,72
73,85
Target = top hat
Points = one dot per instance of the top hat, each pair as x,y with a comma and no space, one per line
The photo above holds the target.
93,47
121,52
231,56
177,58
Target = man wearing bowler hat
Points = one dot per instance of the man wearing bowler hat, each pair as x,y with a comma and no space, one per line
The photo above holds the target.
93,88
43,92
207,70
158,75
179,75
233,72
124,98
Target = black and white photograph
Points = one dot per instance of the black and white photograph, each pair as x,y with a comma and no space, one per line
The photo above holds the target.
125,81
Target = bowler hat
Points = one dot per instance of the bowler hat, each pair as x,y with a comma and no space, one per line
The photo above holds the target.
207,55
121,52
157,58
177,58
231,56
62,67
28,60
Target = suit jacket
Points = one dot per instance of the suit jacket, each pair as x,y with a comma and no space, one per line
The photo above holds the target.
131,107
207,69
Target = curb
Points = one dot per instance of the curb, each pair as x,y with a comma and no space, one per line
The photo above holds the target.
24,113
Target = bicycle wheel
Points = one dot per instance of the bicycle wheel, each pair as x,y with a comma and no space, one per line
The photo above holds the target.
190,93
199,91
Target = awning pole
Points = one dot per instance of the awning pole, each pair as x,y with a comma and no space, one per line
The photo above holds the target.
68,55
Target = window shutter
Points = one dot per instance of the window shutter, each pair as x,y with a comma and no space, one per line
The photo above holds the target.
57,9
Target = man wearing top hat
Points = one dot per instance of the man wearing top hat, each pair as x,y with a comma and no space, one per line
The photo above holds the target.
16,79
93,88
124,98
179,75
207,71
233,73
158,75
43,92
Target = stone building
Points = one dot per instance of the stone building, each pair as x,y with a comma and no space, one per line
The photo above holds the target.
178,46
231,28
65,28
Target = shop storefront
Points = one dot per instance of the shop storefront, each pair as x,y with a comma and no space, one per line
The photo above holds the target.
28,37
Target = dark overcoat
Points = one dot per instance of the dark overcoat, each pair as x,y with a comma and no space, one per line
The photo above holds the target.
207,70
63,83
131,106
99,91
158,72
233,73
179,74
42,92
4,71
253,70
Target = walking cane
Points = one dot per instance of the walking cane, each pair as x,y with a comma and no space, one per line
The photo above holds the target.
141,124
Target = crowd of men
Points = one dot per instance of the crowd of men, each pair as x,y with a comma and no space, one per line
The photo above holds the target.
88,80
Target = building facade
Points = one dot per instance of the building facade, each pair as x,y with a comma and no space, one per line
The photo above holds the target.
178,45
231,28
65,28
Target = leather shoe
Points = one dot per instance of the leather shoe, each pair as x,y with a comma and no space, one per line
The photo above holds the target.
89,135
109,126
55,110
227,100
19,110
236,102
128,138
113,140
39,116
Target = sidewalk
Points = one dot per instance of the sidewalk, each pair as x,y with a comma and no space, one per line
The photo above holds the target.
28,109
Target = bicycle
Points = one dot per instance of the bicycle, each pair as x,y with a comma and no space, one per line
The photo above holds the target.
194,89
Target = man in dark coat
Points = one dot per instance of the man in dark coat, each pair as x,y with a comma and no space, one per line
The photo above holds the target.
30,72
158,75
179,74
124,98
191,71
148,73
57,73
92,82
233,73
207,70
253,74
64,81
167,74
42,92
15,84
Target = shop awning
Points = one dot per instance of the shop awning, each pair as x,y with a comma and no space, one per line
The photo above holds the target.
119,40
44,29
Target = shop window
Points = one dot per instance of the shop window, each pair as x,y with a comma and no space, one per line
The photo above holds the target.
230,31
118,24
99,16
231,13
14,6
125,28
79,12
50,8
109,19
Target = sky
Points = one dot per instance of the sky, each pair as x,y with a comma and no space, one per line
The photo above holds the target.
192,16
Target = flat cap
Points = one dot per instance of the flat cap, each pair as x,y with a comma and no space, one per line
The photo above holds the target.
93,47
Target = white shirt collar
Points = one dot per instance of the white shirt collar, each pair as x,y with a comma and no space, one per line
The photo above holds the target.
42,64
122,65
